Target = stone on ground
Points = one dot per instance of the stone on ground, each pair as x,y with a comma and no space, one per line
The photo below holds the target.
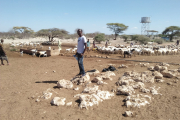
167,73
64,84
58,101
158,75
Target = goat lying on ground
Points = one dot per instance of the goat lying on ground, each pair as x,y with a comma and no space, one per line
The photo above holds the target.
129,53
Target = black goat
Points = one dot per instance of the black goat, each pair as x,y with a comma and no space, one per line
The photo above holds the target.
128,53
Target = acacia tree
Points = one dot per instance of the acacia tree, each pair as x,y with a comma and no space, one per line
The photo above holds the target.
117,28
23,31
171,31
52,33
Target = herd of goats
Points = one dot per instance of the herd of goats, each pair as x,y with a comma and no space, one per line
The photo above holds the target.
135,50
140,50
148,49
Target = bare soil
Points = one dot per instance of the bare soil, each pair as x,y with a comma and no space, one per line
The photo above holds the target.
26,78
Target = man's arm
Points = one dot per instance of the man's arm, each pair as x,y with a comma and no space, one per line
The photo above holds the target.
84,49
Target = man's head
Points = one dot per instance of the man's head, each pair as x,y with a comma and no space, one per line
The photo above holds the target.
79,32
88,40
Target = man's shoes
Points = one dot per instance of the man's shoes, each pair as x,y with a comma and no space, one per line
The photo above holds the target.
79,74
83,75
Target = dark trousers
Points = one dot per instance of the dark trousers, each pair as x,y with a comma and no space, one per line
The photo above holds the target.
80,63
3,58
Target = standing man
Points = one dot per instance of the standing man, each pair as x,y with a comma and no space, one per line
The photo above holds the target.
94,44
3,56
81,48
59,45
106,45
88,46
177,43
131,44
2,41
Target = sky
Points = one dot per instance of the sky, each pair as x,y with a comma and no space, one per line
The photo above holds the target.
90,15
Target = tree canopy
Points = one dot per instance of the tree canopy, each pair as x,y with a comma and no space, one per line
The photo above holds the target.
117,28
100,37
22,29
171,31
22,32
52,33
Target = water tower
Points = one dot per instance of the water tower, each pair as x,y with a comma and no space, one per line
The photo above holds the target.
145,25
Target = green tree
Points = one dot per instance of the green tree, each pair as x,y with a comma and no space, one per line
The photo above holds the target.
52,33
22,31
125,37
171,31
100,37
117,28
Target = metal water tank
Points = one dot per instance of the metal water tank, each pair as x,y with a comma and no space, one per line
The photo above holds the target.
145,20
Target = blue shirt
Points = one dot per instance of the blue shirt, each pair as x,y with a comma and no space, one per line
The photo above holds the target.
88,44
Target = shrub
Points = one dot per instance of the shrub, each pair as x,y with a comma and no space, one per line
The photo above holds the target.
159,41
134,37
143,39
13,49
125,37
100,37
12,37
67,37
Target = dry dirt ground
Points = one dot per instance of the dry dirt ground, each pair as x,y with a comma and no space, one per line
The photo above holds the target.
26,78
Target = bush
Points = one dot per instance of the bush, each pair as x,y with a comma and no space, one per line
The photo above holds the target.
159,41
143,39
67,37
125,37
100,37
134,37
13,49
12,37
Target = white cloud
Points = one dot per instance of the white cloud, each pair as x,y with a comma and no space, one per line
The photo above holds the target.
135,28
65,13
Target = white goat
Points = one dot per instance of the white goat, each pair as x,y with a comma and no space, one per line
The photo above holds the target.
68,50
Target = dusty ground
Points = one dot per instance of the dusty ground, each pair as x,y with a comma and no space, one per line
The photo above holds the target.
26,78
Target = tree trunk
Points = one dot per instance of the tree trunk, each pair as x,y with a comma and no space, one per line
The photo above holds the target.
52,39
115,35
171,37
49,39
